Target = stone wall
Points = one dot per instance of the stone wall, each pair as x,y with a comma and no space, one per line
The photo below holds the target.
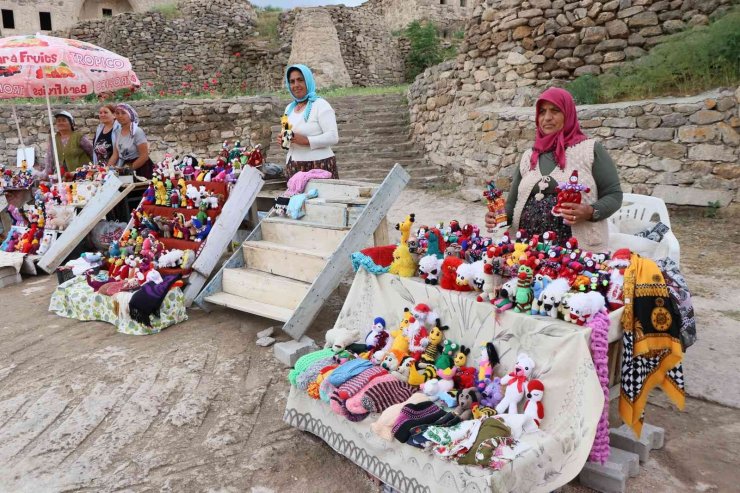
398,14
177,126
206,39
686,151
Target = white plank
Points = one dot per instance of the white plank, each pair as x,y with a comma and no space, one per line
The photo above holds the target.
339,190
109,195
274,258
241,197
255,307
307,236
265,288
339,263
326,213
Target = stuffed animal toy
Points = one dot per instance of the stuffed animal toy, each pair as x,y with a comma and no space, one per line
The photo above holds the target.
286,132
538,286
149,196
515,383
435,243
449,273
465,400
392,360
506,295
338,338
400,343
583,306
444,359
429,267
552,296
464,277
424,314
438,389
417,377
454,250
549,239
491,394
496,204
170,259
464,375
403,263
533,406
378,338
489,278
188,259
434,344
416,334
614,293
405,228
486,363
564,308
569,191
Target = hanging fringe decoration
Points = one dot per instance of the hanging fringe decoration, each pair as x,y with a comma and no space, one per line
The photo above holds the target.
599,325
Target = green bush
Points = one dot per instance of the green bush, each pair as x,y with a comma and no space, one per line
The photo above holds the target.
426,49
688,62
168,10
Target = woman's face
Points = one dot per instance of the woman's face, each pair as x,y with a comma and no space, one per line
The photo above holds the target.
551,119
105,116
297,84
62,124
122,116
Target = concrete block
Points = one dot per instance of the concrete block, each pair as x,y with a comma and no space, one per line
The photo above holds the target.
629,462
625,439
608,478
288,352
655,434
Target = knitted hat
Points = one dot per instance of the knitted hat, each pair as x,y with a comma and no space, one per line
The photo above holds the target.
379,321
381,255
413,415
382,395
305,361
348,370
309,375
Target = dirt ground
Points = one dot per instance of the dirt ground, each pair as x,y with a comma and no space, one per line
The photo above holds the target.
199,406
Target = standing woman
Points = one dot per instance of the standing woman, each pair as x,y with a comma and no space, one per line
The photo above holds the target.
73,148
103,142
560,149
131,148
314,125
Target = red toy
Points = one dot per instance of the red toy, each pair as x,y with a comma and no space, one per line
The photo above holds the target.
569,191
449,273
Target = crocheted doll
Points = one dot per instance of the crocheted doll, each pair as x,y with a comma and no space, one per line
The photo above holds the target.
378,337
533,406
444,359
405,228
496,204
286,132
449,273
487,361
429,267
465,400
417,336
569,191
403,263
524,295
434,344
464,277
515,383
436,244
464,375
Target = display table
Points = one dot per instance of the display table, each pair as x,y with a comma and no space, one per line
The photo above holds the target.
544,461
75,299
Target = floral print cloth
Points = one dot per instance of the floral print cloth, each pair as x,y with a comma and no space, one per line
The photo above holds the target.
453,441
75,299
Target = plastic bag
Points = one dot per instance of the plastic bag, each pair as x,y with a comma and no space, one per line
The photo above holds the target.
105,232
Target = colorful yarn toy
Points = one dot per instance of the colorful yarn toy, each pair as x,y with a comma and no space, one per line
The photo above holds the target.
599,325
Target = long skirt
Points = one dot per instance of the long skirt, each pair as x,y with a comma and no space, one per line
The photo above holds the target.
329,164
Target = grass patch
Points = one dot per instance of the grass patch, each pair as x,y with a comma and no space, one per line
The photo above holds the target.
168,10
338,92
268,19
689,62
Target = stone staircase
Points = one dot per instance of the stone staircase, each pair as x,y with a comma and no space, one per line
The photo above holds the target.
373,136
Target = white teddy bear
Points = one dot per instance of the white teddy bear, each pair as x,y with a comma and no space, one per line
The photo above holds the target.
516,384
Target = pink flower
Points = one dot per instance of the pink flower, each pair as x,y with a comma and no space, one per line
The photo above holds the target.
162,93
237,54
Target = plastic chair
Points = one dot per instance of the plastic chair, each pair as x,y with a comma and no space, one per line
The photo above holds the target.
644,211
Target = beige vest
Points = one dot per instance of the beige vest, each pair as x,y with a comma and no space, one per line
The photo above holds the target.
592,236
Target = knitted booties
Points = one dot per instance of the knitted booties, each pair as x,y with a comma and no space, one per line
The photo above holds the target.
414,415
339,397
354,404
348,370
381,395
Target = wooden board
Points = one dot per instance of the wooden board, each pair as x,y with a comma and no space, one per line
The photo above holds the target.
274,258
237,303
265,288
341,189
109,195
339,263
321,212
303,235
244,193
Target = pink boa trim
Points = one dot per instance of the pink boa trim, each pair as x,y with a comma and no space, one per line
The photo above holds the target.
599,325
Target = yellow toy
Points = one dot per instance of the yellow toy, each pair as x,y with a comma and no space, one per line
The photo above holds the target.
519,251
160,194
75,198
405,228
400,341
183,190
403,263
286,132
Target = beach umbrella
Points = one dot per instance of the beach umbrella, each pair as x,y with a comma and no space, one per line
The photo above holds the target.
35,66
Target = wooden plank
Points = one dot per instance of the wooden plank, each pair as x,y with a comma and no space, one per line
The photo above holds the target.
265,288
339,263
235,209
381,236
109,195
338,190
274,258
307,236
325,213
250,306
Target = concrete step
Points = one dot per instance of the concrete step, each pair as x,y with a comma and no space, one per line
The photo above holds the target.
292,262
250,306
303,233
265,288
360,147
362,156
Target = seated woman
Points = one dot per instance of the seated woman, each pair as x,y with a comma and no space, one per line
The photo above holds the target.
103,142
73,148
560,148
131,149
314,125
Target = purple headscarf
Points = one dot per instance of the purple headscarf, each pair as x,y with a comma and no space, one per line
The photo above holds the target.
131,113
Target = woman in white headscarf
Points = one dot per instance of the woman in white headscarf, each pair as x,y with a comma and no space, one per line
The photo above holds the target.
131,148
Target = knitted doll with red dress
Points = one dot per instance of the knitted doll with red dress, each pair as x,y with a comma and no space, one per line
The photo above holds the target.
569,191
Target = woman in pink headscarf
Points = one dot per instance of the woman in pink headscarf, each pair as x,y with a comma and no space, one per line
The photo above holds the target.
563,153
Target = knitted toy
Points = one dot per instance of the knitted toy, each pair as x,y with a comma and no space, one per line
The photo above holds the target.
464,376
417,377
449,273
405,228
454,250
435,243
434,344
496,203
416,334
429,267
552,296
464,277
403,263
533,406
465,400
491,394
490,282
599,348
487,361
564,308
378,338
515,383
400,341
392,360
614,293
506,294
170,259
286,132
438,389
569,191
523,295
404,369
444,359
583,306
538,286
339,338
424,314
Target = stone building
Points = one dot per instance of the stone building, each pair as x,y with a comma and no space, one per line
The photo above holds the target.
449,15
31,16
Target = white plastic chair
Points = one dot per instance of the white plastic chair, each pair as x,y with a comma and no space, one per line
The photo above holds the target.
637,213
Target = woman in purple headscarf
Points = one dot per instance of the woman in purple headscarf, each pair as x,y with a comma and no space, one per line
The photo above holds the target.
131,148
563,153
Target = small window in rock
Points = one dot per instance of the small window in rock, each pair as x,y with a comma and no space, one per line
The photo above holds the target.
45,21
8,19
443,2
463,3
107,12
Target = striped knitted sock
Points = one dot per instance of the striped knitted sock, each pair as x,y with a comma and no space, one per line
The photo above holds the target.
413,415
351,387
348,370
354,403
309,374
381,395
305,361
326,389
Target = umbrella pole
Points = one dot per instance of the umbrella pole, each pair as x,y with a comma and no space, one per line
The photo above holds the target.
20,135
53,137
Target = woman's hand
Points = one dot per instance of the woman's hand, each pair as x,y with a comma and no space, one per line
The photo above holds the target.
576,213
300,140
490,221
279,139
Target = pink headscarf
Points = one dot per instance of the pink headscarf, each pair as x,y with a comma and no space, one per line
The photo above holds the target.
567,136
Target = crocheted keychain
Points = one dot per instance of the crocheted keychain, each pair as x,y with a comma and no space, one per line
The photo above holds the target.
496,203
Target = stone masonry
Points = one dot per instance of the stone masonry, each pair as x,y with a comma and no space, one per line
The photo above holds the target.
447,14
179,127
